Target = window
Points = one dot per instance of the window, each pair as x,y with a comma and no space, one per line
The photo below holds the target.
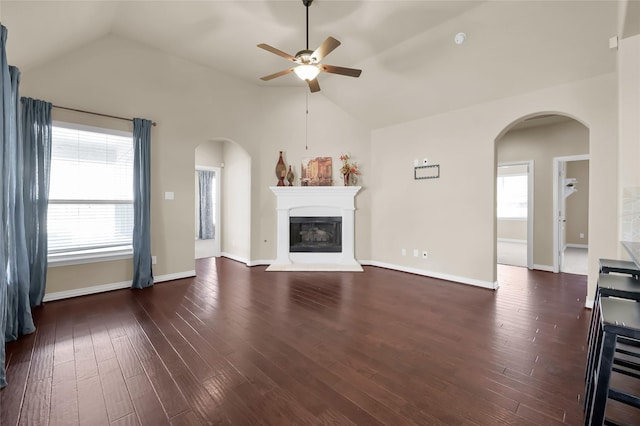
90,214
512,196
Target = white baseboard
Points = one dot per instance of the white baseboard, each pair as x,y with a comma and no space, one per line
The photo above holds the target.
260,262
176,276
582,246
546,268
423,272
511,240
236,258
257,262
67,294
85,291
246,261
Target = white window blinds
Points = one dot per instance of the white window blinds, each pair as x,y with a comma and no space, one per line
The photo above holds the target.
91,189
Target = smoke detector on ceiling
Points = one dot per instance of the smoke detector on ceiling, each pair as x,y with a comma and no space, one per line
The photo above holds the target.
460,38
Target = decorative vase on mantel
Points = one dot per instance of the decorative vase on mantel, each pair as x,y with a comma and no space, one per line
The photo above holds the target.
346,178
290,176
281,170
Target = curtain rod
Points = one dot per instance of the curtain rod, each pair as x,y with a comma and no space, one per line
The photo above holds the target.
97,113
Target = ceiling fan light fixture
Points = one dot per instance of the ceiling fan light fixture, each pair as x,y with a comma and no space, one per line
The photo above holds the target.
307,61
306,72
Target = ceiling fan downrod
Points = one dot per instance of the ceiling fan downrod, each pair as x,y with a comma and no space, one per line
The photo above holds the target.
307,3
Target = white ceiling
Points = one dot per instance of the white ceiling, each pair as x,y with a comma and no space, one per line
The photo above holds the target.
411,66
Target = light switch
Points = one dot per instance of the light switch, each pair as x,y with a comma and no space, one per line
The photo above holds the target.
168,195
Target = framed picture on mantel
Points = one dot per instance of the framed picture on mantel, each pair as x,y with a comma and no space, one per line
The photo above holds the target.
316,172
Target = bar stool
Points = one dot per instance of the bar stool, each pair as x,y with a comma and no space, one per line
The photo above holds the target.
621,286
617,319
619,266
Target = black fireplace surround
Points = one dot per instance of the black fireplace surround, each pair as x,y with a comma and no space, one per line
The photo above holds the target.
315,234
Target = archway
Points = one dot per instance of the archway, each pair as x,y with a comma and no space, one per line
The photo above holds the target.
231,166
547,142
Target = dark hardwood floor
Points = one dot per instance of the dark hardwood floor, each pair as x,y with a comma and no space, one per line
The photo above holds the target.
242,346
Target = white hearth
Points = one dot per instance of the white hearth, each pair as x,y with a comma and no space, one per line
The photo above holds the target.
315,201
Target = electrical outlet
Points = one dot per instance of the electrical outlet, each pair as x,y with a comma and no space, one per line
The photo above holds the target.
154,260
404,252
582,235
424,254
415,253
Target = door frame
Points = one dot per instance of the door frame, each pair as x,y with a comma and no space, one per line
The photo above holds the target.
530,204
557,250
216,216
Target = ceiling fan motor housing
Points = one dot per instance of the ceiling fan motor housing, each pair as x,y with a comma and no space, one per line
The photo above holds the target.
304,57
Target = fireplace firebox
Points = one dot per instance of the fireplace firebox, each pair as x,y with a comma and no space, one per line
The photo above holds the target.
315,234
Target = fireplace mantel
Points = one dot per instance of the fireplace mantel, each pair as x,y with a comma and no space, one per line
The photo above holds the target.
315,201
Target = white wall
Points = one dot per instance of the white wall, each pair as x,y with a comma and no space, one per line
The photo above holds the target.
512,230
454,217
236,203
330,132
194,104
629,141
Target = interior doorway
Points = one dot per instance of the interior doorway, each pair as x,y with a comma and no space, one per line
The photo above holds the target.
514,189
571,210
207,210
545,139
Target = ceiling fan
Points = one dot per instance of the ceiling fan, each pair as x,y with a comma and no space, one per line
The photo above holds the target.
308,62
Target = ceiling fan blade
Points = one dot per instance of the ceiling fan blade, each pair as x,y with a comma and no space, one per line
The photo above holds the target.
314,86
276,51
325,48
275,75
351,72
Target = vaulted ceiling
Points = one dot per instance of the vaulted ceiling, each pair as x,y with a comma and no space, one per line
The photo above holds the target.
411,66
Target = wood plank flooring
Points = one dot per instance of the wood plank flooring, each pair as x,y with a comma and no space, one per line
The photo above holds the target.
241,346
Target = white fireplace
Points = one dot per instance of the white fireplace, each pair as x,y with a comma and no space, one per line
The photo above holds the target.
315,202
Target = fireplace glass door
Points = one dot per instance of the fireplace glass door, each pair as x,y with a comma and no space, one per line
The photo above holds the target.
315,234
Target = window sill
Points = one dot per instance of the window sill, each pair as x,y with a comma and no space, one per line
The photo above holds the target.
90,256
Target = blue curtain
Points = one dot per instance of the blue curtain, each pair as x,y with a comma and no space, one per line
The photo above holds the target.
15,309
5,119
18,309
142,273
36,135
205,205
